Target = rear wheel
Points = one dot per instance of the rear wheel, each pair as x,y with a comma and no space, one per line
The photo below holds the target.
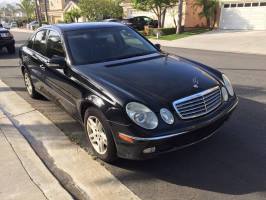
29,86
99,135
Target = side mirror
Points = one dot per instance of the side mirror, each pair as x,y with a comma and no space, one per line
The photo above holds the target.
158,46
56,62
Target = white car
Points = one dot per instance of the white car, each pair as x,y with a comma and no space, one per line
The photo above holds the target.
32,25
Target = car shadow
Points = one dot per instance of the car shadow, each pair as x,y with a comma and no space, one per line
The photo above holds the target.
231,162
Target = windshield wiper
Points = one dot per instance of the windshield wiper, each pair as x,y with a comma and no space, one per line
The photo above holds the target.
134,55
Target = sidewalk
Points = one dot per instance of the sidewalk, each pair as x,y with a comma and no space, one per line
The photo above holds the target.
23,175
248,42
22,30
84,177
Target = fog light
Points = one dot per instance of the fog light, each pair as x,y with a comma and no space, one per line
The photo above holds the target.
149,150
225,94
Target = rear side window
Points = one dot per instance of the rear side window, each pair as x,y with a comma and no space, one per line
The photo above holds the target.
40,42
54,45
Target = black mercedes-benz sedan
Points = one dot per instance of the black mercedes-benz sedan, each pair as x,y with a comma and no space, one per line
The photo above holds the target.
134,100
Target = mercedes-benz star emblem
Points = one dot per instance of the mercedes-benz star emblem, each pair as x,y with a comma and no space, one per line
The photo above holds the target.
195,83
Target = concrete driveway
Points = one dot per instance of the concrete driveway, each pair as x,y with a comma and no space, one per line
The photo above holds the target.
252,42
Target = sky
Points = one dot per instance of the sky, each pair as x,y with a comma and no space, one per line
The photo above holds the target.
8,1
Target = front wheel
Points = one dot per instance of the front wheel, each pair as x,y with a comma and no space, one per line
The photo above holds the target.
99,135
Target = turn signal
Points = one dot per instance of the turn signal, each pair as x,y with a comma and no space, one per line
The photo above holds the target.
125,138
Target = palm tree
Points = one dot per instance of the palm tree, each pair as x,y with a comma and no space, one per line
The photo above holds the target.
46,11
27,7
38,12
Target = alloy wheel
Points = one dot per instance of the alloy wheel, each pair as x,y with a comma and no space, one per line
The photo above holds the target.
97,135
28,83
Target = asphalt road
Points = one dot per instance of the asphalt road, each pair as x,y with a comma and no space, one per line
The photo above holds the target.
230,165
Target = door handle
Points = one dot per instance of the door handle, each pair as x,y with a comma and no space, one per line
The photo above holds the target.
42,67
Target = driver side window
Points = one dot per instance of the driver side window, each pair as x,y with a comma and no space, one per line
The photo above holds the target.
54,45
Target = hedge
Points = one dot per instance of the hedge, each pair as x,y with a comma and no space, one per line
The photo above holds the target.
162,31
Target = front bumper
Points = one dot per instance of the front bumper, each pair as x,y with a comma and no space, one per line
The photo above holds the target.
170,142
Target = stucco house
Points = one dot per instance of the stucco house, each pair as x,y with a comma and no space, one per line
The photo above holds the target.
232,14
57,8
190,14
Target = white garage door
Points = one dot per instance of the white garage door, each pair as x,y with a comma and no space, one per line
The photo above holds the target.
250,16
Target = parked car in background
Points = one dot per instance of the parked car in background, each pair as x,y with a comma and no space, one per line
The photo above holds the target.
7,41
32,25
13,25
111,20
134,101
139,22
6,26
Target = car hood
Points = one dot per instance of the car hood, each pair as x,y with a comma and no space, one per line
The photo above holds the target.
155,80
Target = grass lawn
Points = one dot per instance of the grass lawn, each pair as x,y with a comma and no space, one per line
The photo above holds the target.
181,35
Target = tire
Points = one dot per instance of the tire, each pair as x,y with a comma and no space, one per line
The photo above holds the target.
29,85
108,153
11,49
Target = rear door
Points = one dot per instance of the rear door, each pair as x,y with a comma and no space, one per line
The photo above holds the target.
33,56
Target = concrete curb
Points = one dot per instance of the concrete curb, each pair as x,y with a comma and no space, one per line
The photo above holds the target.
170,44
78,172
44,185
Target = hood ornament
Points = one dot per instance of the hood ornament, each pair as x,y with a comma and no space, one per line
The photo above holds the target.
195,83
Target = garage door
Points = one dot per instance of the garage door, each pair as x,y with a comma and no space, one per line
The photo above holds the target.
250,16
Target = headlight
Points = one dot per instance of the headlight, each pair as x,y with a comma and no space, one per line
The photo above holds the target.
167,116
142,115
228,85
225,94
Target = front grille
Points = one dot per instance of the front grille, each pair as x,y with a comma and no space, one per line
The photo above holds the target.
198,104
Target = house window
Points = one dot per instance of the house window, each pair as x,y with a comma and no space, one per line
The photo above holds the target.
226,5
233,5
247,4
240,5
262,3
255,4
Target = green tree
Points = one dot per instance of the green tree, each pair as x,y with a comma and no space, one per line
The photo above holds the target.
72,16
100,9
209,11
158,7
27,7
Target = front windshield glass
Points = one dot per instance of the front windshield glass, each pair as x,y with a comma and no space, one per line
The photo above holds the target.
106,44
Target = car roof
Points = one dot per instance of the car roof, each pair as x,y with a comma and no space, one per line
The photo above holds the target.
3,29
83,26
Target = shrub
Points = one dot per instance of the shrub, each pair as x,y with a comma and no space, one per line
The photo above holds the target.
162,31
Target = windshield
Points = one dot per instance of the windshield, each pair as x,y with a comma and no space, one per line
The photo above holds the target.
106,44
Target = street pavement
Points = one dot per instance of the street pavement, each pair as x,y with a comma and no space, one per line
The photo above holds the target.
252,42
230,165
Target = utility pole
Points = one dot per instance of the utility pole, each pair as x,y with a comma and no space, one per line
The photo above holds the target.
38,13
180,16
46,10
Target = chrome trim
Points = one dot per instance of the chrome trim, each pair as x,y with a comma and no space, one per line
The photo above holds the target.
175,134
194,96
